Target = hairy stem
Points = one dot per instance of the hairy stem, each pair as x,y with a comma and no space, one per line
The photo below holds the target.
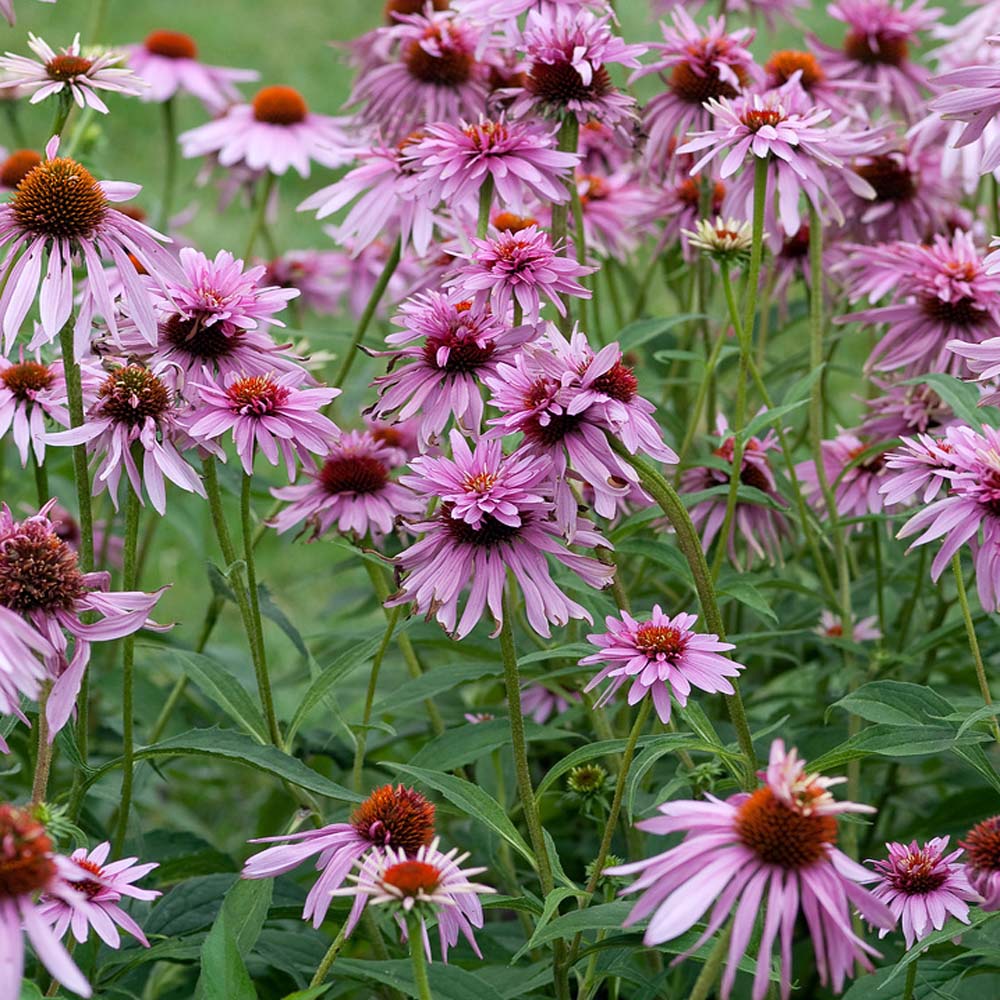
329,958
415,938
970,632
260,216
169,163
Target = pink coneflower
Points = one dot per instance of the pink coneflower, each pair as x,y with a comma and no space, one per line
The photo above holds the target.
21,672
494,516
941,295
904,409
41,580
385,205
618,211
430,72
982,846
265,412
923,886
602,148
30,391
922,465
135,405
68,70
444,351
97,895
659,657
777,842
274,132
695,65
876,50
394,817
967,462
317,275
568,53
565,399
792,134
60,212
983,360
428,884
831,626
680,209
761,526
451,163
168,62
351,489
855,481
28,866
540,703
787,64
400,437
16,166
519,268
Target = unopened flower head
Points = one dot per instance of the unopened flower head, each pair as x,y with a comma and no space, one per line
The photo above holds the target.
725,240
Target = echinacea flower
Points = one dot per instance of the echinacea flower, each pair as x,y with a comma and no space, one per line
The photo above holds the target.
831,626
269,413
30,392
661,657
725,240
426,884
40,579
437,362
905,409
396,817
568,54
16,166
69,70
982,847
135,409
317,275
771,853
168,62
617,209
351,490
519,269
97,895
21,670
540,703
29,866
450,163
854,476
695,65
763,525
274,132
923,886
495,516
61,213
983,360
941,296
876,51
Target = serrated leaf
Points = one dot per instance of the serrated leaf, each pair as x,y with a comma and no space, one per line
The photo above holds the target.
471,799
190,906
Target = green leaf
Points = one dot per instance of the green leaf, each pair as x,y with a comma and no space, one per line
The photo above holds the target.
188,907
227,744
604,917
447,982
309,994
895,703
29,991
642,331
470,799
768,418
570,651
468,743
434,682
962,397
218,684
895,741
552,901
231,940
748,594
271,611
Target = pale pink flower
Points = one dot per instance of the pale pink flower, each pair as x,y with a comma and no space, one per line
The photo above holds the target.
540,703
317,275
863,630
855,481
30,392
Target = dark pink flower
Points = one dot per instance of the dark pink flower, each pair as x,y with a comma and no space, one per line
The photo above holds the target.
856,482
982,846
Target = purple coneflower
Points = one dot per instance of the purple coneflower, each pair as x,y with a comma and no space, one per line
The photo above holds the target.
661,656
395,817
427,884
904,409
30,391
317,275
519,268
982,846
923,887
540,703
168,62
494,516
82,78
695,65
21,671
618,211
274,132
760,525
568,53
60,212
29,866
265,412
983,360
855,481
438,360
831,626
769,853
97,894
351,490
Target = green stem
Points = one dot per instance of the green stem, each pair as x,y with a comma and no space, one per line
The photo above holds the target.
879,582
133,505
970,632
995,204
169,162
569,138
911,980
362,738
690,545
485,203
263,679
712,968
418,959
699,401
41,480
97,24
392,262
260,216
329,958
43,762
63,108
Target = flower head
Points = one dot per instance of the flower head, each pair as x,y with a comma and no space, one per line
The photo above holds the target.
69,70
923,886
274,132
30,392
540,703
831,626
495,514
661,657
777,844
982,847
726,240
391,816
98,891
854,471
